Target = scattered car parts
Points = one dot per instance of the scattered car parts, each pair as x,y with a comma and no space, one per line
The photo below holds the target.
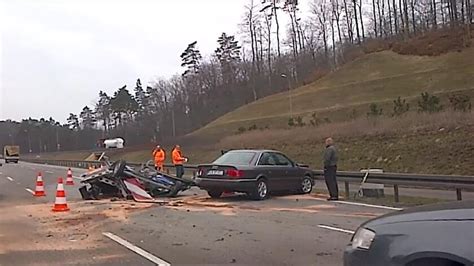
123,181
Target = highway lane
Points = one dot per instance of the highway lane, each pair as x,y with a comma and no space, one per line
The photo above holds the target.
280,231
191,229
22,177
31,234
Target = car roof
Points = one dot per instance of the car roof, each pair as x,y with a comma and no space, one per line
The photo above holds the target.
254,150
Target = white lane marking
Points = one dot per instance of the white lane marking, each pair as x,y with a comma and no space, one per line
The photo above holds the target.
370,205
78,178
364,205
49,172
335,229
1,173
9,178
136,249
29,190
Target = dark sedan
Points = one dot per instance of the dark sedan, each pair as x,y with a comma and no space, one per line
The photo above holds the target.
255,172
434,235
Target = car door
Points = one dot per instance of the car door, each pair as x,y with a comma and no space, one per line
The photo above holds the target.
291,172
267,166
281,171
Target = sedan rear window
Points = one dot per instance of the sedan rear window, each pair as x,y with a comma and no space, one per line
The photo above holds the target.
236,158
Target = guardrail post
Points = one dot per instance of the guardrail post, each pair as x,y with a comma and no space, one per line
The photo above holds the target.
346,189
396,196
458,194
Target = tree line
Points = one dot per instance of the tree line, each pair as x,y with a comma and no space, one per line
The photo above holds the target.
269,57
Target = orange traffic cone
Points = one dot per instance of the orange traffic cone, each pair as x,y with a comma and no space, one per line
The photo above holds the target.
39,190
60,204
69,180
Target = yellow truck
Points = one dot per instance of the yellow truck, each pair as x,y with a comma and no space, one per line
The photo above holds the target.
11,153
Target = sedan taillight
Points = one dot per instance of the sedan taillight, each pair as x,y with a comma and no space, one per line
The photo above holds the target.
235,173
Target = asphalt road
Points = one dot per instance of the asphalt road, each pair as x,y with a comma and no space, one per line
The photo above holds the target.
190,229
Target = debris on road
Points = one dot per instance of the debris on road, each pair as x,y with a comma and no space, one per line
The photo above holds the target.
122,181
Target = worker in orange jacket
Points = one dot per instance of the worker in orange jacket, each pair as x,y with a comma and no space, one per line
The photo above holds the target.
159,157
178,161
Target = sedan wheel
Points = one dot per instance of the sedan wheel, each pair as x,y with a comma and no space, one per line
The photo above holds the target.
261,190
306,185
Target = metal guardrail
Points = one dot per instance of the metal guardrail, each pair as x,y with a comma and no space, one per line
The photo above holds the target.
447,182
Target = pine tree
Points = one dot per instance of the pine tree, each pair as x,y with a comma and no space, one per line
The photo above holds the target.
87,117
228,54
123,103
191,59
73,122
140,95
102,110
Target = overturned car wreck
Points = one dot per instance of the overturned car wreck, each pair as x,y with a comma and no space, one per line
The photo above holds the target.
123,181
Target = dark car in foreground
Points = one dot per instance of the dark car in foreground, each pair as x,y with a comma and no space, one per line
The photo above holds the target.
434,235
255,172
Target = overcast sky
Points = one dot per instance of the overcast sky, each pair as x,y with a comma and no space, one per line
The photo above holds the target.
57,55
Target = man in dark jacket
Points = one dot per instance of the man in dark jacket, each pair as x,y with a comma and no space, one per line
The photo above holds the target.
330,168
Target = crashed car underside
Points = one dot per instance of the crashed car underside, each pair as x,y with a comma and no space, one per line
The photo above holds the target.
122,181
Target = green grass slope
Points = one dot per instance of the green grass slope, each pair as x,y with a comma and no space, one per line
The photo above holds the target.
421,143
374,78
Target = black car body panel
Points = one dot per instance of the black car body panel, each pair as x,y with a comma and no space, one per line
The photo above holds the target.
244,174
441,231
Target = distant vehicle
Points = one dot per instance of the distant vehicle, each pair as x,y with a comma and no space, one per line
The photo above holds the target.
434,235
11,153
116,143
254,172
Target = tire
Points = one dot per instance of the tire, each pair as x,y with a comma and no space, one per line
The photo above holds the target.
260,192
215,194
306,185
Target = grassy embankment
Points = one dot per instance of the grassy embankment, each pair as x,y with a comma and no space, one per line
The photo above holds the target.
441,143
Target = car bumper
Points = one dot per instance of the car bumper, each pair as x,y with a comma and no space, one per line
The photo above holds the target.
360,257
355,257
238,185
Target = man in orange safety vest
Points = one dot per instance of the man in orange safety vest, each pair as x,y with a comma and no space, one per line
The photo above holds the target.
159,157
178,161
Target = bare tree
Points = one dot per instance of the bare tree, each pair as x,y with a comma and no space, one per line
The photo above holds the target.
336,12
413,20
361,16
354,3
348,22
375,17
274,6
250,21
319,10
